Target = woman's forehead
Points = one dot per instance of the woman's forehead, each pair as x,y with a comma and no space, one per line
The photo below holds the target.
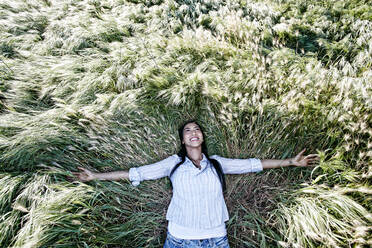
191,125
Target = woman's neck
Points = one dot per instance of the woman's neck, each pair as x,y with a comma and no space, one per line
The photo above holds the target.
195,155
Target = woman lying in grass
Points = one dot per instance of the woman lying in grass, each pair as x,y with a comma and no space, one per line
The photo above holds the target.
197,212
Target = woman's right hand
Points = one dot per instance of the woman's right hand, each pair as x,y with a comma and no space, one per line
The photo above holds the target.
84,175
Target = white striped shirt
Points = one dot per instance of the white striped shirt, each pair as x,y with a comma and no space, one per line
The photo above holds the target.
197,200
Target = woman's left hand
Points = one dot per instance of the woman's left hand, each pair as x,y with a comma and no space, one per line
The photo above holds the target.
304,161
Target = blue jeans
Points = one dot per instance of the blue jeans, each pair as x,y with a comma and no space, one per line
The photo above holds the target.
173,242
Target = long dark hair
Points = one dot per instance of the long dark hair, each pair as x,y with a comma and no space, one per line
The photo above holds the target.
183,153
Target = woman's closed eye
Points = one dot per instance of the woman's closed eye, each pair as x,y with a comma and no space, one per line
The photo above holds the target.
188,129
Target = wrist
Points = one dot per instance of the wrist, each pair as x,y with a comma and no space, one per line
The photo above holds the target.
94,176
290,162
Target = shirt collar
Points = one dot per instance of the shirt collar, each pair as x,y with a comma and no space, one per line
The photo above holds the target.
203,162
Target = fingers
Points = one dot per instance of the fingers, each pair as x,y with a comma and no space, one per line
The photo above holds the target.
70,179
83,175
312,156
312,163
299,155
79,175
308,160
83,169
311,159
302,152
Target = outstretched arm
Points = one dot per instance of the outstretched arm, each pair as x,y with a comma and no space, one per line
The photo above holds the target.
299,160
137,174
86,175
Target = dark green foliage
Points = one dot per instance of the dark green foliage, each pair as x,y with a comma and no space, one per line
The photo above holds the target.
7,50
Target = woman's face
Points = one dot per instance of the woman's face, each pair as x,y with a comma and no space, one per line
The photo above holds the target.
192,135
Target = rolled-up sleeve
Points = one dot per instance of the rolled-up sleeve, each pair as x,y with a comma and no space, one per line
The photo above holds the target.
238,166
152,171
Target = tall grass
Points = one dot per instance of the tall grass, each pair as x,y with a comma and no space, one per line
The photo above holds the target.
340,221
105,84
10,220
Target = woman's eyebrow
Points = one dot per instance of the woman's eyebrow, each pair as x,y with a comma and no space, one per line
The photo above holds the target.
194,127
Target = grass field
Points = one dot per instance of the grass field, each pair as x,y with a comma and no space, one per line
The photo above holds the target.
105,85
